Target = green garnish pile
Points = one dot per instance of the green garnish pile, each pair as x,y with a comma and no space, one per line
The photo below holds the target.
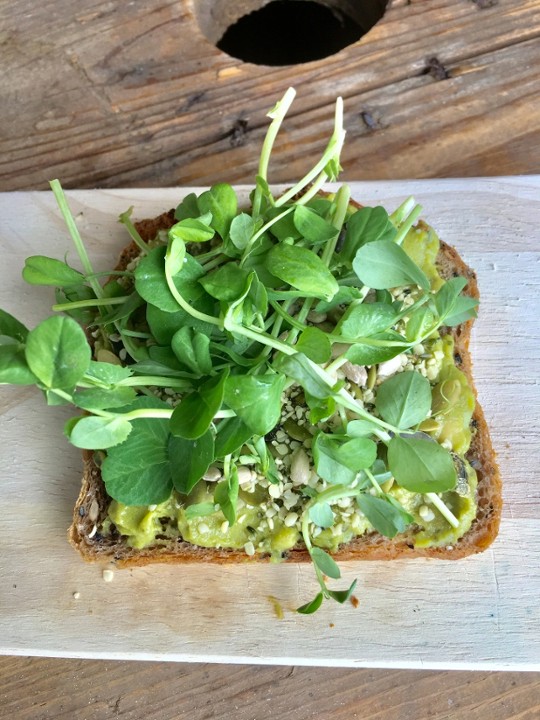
217,310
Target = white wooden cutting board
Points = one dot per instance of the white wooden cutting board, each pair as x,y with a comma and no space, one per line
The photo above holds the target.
482,612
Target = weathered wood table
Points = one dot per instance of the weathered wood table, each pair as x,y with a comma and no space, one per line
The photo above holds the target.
105,94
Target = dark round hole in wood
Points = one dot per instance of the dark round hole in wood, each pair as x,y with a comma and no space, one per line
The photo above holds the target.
286,32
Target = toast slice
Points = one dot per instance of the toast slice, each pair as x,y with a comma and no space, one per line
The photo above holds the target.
92,504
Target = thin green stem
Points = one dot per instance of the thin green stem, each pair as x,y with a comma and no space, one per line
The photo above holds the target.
154,381
443,509
372,342
107,273
261,231
203,257
215,262
184,304
318,183
125,219
373,481
285,316
300,318
336,364
407,224
277,114
135,334
264,338
77,304
157,413
56,187
331,153
401,212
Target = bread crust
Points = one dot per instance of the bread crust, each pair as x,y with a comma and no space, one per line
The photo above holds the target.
91,506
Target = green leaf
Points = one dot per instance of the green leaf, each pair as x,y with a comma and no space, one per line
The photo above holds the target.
421,466
464,309
357,453
383,296
151,284
256,399
108,373
445,298
121,312
387,518
74,293
174,255
41,270
382,265
325,563
13,366
241,231
312,606
256,260
227,283
312,226
314,343
366,225
258,296
188,208
339,462
195,413
320,409
163,325
101,399
321,514
284,227
58,353
232,434
164,356
12,328
222,203
366,320
404,400
235,312
328,464
192,349
199,510
195,230
298,367
342,596
362,354
344,296
99,433
321,205
137,471
226,496
421,321
302,269
361,428
189,460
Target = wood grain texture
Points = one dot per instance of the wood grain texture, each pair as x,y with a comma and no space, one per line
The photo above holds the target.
491,598
101,690
110,94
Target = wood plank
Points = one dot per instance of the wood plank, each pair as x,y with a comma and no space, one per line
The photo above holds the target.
107,95
98,690
492,597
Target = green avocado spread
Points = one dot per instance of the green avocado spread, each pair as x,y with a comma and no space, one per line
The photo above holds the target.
263,526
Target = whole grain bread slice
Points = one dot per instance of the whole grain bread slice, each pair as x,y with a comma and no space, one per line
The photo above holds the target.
92,503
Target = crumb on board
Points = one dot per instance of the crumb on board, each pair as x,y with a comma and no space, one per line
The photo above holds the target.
355,602
276,605
76,595
108,575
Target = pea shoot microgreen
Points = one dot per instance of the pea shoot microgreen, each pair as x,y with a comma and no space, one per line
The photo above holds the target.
217,311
